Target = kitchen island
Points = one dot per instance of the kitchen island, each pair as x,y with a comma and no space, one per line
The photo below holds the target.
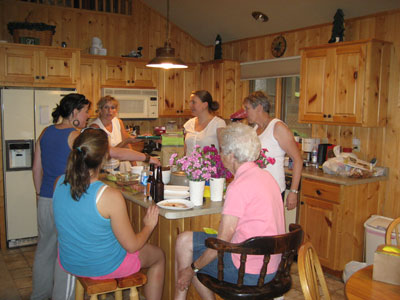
170,224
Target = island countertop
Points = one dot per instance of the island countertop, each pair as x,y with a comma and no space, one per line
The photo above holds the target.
209,207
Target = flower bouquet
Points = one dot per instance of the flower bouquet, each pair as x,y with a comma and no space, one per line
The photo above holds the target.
220,170
263,160
197,165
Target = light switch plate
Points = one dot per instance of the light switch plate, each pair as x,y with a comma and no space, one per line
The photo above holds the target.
356,145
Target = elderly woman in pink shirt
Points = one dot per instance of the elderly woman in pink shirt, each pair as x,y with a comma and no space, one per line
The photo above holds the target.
253,207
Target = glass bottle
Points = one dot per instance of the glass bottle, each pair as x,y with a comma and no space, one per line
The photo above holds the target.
144,176
159,186
151,183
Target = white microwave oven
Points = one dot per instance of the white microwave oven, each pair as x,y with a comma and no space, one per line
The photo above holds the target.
134,103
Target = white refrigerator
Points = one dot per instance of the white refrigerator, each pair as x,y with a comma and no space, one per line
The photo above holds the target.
25,112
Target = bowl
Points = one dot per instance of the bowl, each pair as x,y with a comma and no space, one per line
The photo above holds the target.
179,178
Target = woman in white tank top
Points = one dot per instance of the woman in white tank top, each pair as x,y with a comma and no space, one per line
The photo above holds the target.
277,138
107,108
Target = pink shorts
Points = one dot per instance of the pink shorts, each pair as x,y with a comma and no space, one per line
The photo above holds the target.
130,265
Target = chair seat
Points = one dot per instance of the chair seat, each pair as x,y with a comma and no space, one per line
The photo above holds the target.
231,291
94,287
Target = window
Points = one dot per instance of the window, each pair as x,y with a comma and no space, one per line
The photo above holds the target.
289,90
123,7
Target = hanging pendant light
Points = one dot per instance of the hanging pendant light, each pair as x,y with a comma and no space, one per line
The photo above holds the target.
165,56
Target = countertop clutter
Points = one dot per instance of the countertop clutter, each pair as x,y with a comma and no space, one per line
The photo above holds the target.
317,174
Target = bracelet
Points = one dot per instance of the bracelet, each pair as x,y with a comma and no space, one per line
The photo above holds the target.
294,191
147,159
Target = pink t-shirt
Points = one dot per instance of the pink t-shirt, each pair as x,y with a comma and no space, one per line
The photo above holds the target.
254,197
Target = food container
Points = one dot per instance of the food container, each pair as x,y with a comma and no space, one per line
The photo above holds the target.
127,178
179,178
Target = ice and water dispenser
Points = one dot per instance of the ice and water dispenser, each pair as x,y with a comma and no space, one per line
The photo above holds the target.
19,155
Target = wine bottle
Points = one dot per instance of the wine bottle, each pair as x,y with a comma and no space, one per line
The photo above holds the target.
159,186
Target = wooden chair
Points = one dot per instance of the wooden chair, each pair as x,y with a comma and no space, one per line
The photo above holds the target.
395,225
95,288
285,244
310,273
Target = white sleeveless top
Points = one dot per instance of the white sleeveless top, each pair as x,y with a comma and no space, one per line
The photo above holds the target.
114,136
268,141
206,137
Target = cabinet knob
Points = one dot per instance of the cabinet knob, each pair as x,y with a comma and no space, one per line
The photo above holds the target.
355,75
42,77
324,115
318,192
37,77
329,116
302,202
177,111
133,81
129,81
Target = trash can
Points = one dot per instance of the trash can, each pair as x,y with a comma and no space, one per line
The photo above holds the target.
375,230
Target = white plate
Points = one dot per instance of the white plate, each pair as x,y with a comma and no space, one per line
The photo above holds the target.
176,188
174,195
188,204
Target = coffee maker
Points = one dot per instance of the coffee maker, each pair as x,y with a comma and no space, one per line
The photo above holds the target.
307,146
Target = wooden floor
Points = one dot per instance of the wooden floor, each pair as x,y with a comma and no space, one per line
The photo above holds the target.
16,277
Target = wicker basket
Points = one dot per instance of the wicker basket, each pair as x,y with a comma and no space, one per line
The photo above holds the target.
45,37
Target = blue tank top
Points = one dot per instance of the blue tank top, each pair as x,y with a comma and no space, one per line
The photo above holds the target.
54,154
87,244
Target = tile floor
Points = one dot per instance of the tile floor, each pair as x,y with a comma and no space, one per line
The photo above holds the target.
16,277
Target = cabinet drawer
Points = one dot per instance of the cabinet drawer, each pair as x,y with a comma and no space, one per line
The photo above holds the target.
321,190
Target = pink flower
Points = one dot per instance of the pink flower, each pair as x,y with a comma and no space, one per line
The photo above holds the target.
263,160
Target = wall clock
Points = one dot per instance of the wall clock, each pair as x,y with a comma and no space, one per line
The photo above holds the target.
278,46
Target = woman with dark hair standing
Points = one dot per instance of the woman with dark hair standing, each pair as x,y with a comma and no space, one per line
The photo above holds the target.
102,245
202,129
50,160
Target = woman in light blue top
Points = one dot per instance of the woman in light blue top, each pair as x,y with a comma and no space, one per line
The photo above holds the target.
95,236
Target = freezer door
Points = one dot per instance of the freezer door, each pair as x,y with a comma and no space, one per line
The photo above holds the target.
18,121
45,102
20,205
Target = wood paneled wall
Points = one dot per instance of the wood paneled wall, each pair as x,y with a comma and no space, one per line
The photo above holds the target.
121,34
382,143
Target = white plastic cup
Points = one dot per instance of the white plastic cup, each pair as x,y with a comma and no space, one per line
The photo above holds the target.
196,190
217,189
166,176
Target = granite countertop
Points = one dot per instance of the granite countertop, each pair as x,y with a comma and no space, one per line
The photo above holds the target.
317,174
209,207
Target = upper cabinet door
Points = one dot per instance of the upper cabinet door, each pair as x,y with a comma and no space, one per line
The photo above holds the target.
349,84
39,66
345,83
139,75
315,80
59,66
114,72
18,64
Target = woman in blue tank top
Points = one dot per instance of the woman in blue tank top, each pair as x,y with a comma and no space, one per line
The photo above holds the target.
50,160
102,244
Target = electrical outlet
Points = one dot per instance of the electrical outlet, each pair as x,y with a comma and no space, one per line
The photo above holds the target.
356,145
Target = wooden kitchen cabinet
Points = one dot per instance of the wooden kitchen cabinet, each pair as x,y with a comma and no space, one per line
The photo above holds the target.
345,83
89,84
176,86
38,65
333,215
123,72
222,79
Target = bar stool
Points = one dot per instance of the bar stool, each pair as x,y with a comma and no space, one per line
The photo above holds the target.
101,287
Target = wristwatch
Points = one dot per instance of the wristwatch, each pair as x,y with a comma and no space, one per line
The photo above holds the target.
194,268
147,159
294,191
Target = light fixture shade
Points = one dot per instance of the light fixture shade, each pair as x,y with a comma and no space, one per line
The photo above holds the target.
165,59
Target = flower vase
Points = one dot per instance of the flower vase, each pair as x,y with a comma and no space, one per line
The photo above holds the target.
217,188
196,190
